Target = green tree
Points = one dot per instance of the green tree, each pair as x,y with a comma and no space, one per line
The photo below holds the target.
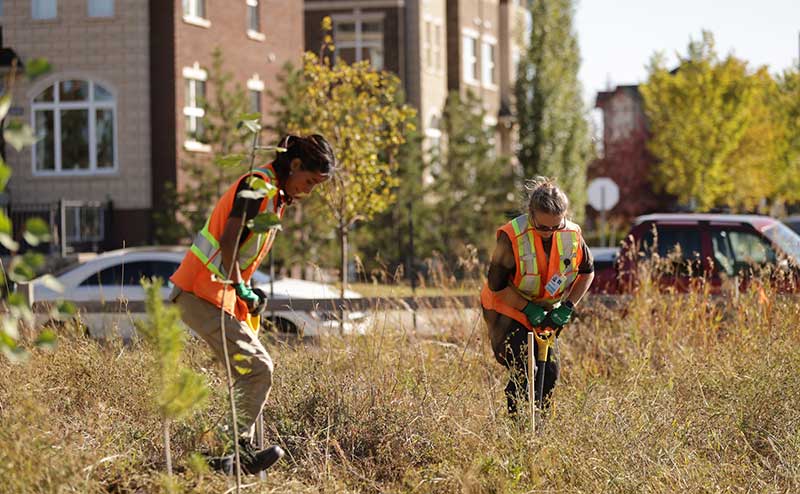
15,311
179,389
553,130
360,111
787,110
714,129
188,208
471,188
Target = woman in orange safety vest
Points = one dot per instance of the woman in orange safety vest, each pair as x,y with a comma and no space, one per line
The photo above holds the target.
200,292
540,269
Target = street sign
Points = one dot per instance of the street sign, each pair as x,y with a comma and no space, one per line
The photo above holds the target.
603,194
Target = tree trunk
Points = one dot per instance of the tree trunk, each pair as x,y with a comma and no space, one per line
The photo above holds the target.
167,454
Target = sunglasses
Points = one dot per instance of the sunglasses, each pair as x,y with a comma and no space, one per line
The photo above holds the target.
541,228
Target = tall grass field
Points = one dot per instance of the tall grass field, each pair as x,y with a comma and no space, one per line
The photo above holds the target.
661,393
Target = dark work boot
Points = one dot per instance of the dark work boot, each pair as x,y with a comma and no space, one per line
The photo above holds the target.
253,460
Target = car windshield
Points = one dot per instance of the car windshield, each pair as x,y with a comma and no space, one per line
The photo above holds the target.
786,240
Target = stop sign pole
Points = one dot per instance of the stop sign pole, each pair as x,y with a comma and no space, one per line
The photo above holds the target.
603,194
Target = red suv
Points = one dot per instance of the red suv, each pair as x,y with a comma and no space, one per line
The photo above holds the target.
717,246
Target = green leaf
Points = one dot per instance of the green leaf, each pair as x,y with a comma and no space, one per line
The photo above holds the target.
230,160
8,242
5,223
37,67
46,339
264,222
33,259
5,105
10,331
36,231
50,281
257,183
5,174
20,271
252,194
252,126
17,300
15,354
66,310
19,135
250,116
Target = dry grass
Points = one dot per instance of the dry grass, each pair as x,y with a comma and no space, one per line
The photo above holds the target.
669,393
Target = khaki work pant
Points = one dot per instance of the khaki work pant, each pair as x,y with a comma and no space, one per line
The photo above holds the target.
251,387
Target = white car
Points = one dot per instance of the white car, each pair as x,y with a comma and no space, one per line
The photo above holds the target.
115,275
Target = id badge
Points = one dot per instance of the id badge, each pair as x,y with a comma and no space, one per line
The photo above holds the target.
554,284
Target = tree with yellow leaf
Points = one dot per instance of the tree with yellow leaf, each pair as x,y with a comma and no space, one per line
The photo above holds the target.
713,129
362,113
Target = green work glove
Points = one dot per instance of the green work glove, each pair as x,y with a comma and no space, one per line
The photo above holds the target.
561,315
534,313
245,293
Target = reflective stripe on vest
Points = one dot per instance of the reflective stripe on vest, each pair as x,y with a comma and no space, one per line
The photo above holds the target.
207,248
567,244
528,267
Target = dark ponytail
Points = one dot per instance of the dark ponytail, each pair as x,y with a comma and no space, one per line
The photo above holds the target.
314,152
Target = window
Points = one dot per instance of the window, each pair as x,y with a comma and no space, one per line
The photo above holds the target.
194,102
737,250
437,47
434,135
101,8
75,120
488,66
44,9
84,223
428,44
359,37
470,58
253,20
255,87
194,8
130,274
682,246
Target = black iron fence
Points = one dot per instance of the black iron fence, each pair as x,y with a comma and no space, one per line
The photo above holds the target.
76,226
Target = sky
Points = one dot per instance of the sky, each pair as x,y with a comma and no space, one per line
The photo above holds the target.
618,37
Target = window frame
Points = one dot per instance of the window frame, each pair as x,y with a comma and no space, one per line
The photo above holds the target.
489,66
196,112
195,12
89,9
472,61
91,106
359,45
256,86
53,17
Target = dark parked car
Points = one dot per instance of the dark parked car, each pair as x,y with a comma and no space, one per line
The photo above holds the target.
714,246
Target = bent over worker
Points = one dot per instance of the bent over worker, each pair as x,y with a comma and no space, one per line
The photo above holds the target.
200,293
539,271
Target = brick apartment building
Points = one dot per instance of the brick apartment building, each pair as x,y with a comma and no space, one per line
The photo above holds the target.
434,46
120,109
625,158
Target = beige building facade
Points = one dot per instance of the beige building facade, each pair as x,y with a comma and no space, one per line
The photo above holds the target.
123,106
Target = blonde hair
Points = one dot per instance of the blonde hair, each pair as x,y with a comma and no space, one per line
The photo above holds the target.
543,194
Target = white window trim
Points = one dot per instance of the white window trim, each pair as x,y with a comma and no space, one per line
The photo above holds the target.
255,83
196,21
468,78
491,41
256,36
91,106
196,147
195,73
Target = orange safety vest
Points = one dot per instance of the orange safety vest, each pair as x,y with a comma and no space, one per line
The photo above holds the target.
543,283
201,270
